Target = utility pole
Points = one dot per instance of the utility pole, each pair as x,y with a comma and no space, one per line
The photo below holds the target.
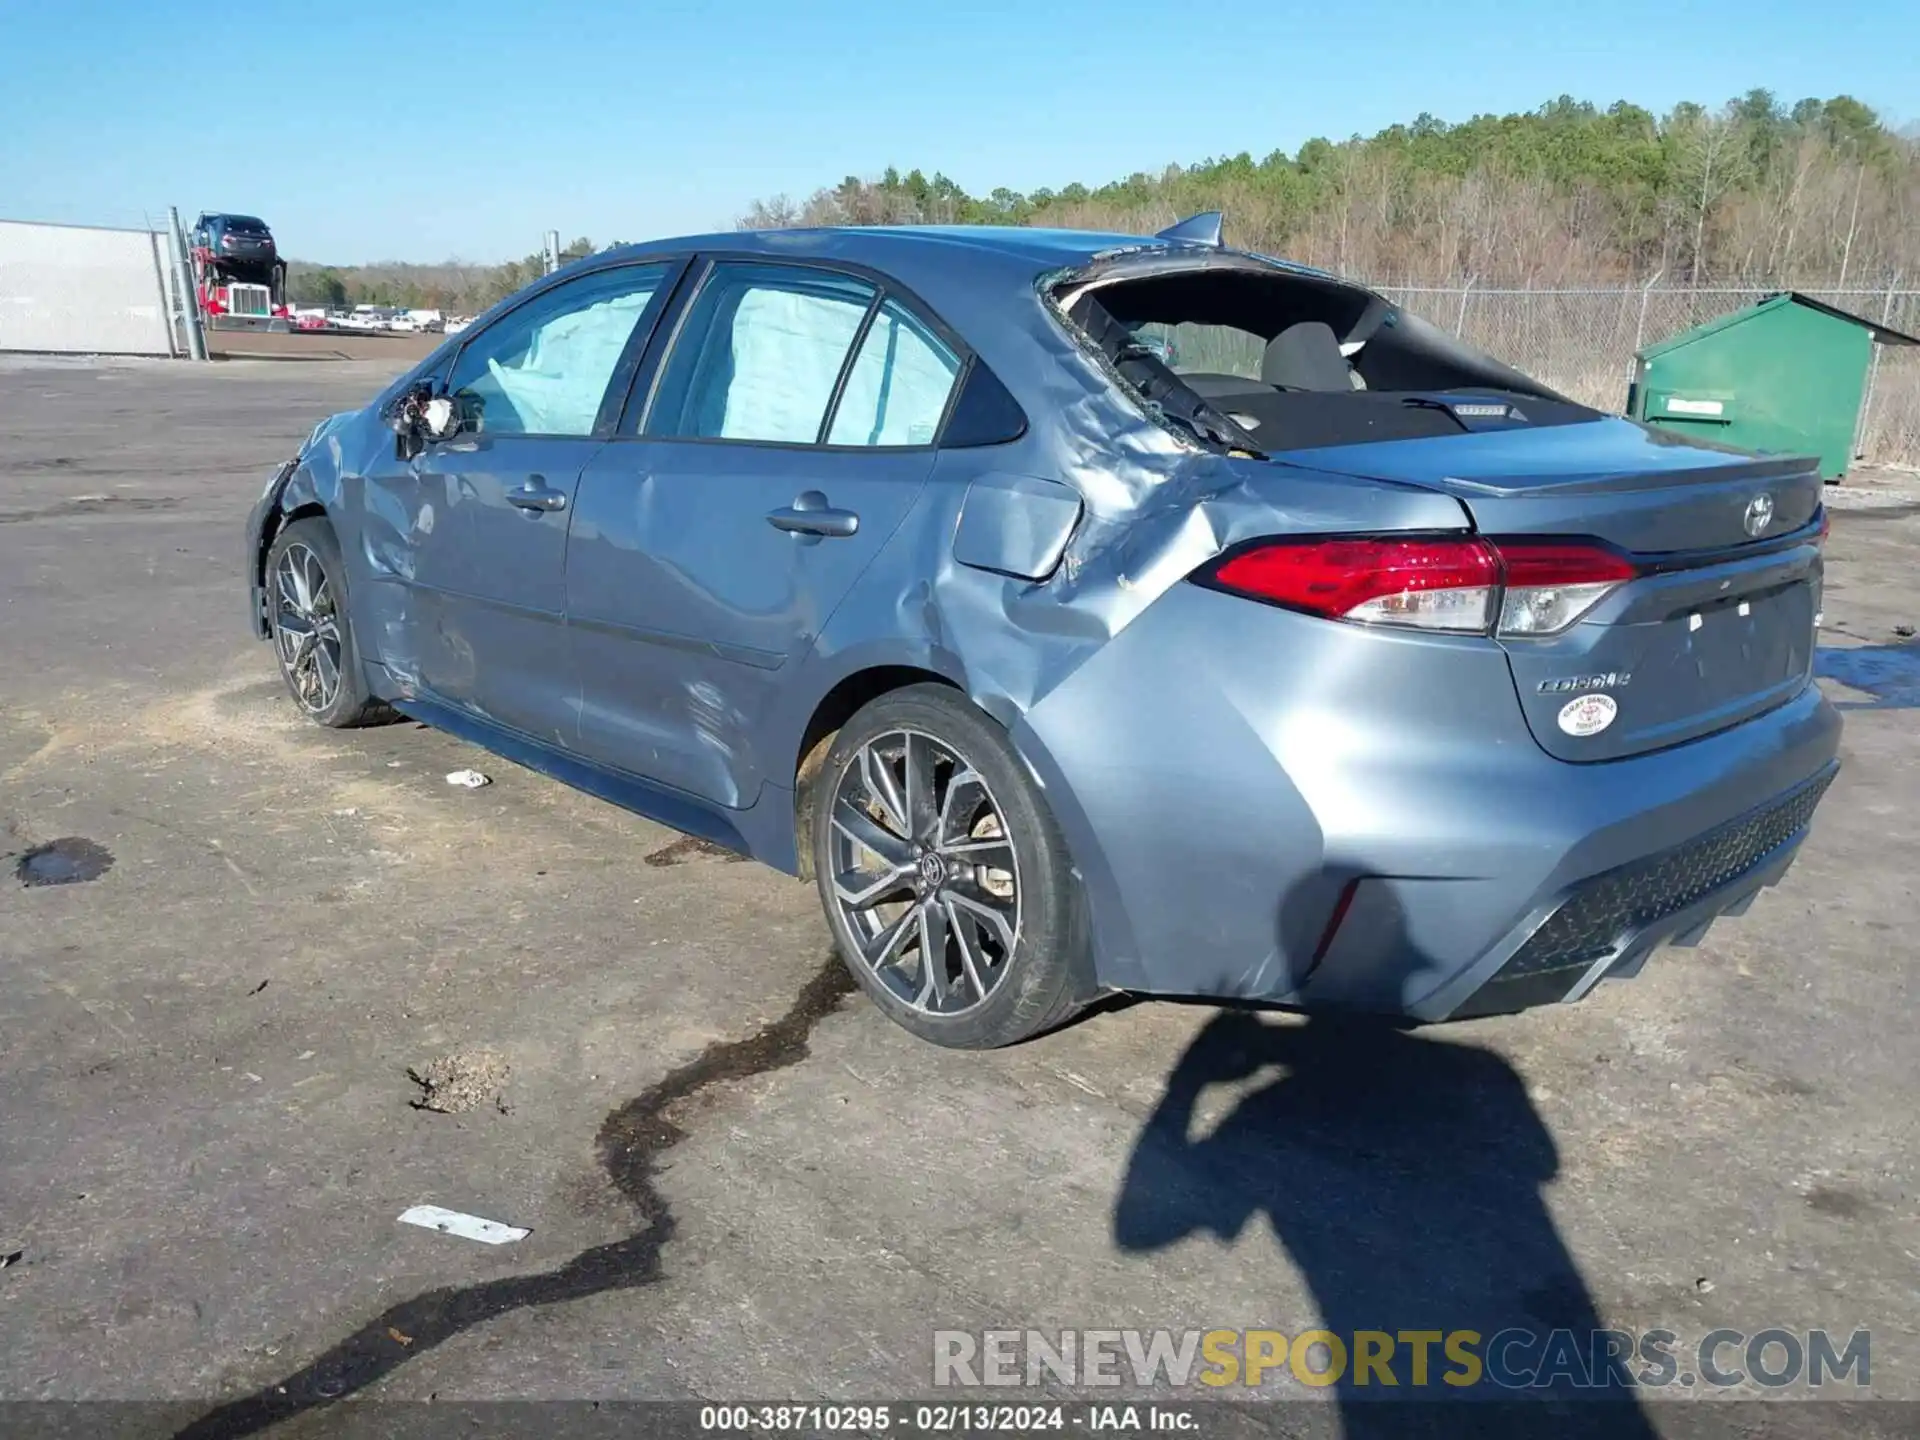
1873,372
1460,324
1646,294
553,251
183,285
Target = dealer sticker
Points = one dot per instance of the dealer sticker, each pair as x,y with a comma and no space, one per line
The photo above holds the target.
1588,715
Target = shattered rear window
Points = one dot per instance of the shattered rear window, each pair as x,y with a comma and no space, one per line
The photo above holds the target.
1237,353
1205,349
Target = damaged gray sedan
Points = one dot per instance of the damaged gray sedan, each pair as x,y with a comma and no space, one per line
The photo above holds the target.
1082,613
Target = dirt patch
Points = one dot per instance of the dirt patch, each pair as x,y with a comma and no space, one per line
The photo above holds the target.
319,345
92,505
1839,1202
463,1081
690,847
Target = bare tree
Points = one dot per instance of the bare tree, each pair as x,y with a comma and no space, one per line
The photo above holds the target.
1853,221
778,213
1709,155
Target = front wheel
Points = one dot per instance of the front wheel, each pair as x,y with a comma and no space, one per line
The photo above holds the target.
306,582
945,880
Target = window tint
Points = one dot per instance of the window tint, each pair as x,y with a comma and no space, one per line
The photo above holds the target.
542,369
759,354
898,387
984,413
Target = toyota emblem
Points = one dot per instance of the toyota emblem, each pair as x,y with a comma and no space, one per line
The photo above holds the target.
1759,514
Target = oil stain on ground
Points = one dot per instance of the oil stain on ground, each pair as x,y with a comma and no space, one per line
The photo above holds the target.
630,1144
69,860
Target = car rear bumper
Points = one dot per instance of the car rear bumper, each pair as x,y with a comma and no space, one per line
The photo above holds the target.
1271,807
1607,924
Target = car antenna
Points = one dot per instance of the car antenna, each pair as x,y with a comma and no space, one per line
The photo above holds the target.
1201,229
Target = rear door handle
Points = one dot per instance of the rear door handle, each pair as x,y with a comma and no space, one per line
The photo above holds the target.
536,494
810,514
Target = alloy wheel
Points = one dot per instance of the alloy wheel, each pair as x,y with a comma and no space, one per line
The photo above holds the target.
306,627
924,872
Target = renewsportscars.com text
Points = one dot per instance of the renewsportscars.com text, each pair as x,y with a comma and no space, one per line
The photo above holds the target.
1511,1359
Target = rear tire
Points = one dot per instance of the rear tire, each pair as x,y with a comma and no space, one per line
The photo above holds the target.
312,628
945,880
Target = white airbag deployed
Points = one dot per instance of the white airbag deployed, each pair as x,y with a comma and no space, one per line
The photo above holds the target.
556,387
787,348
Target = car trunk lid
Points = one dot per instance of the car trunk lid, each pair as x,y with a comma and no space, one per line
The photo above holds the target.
1718,626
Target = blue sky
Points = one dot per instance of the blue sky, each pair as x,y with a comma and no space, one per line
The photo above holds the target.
364,131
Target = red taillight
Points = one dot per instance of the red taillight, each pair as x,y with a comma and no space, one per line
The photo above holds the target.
1434,584
1464,584
1553,562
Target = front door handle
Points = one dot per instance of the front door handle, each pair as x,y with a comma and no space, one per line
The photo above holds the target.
810,514
537,495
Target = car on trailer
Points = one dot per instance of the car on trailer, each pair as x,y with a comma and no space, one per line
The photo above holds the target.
240,281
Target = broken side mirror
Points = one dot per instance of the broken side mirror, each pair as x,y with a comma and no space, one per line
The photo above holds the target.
418,417
440,417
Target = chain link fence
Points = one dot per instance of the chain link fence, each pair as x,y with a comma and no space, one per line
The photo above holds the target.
1583,342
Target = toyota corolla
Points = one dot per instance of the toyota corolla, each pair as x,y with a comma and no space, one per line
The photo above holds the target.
1082,613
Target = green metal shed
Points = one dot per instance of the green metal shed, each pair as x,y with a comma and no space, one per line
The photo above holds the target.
1787,376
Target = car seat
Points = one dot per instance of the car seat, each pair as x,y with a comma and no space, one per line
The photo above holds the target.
1306,356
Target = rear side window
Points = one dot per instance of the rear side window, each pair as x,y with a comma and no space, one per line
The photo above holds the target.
897,390
759,355
984,412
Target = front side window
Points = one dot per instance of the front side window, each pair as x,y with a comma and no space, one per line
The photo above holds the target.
543,369
897,390
759,355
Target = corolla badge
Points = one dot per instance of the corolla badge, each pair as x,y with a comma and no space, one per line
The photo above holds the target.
1759,514
1573,684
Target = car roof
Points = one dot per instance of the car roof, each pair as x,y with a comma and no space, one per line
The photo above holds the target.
881,245
934,257
979,279
971,275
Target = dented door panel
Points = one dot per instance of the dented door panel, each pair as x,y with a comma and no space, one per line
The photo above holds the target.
687,604
482,625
